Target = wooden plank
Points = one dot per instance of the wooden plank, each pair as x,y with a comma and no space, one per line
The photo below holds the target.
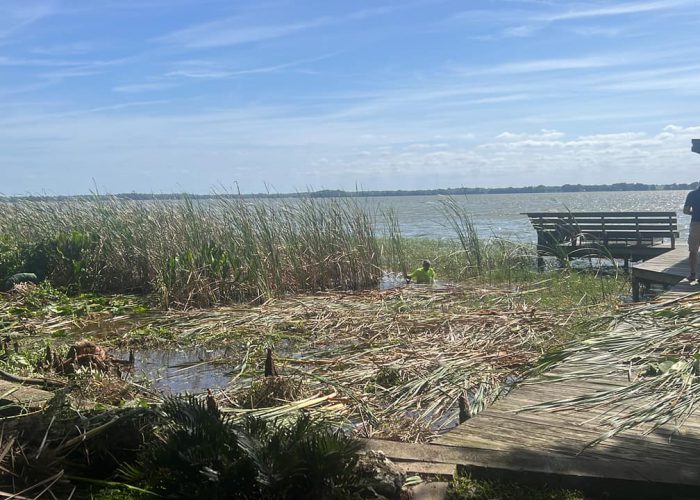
587,226
22,396
539,462
608,220
427,468
597,232
541,427
599,214
551,445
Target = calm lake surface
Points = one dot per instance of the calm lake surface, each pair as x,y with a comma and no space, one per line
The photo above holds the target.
499,215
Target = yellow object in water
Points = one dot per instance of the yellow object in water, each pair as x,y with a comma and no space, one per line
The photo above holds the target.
423,276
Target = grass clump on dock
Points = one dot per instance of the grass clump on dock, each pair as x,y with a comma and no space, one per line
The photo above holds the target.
655,347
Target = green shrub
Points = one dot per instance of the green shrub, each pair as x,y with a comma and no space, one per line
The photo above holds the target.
200,453
10,259
466,488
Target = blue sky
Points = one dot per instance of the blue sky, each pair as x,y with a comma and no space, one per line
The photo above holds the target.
195,95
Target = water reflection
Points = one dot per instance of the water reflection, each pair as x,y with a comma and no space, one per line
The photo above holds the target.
178,371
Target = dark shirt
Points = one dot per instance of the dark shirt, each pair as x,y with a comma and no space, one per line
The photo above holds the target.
693,200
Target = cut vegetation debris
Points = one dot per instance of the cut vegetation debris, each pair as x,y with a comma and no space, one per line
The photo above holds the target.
392,363
657,347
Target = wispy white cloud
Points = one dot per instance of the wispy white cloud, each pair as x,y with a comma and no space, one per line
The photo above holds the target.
135,88
501,98
543,135
10,90
67,49
572,63
615,10
52,119
208,70
200,74
48,62
317,147
239,30
520,23
521,31
656,78
599,31
235,31
62,63
66,73
18,14
689,83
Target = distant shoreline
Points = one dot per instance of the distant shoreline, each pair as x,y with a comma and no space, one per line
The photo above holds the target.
339,193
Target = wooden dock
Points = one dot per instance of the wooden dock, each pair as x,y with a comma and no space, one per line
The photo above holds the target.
667,269
510,440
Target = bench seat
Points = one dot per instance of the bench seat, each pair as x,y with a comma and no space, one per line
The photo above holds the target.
626,235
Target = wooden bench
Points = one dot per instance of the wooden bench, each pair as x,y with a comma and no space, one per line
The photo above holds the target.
620,235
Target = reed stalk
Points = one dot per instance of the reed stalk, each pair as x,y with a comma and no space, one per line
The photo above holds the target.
195,253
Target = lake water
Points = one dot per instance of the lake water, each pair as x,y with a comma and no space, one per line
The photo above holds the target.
499,215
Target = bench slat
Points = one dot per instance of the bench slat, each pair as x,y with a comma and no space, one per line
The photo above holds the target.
599,214
608,228
611,234
608,220
602,231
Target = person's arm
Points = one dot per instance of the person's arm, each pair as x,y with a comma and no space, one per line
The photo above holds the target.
687,206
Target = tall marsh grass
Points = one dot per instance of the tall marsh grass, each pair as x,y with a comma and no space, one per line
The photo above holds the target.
194,253
230,249
465,256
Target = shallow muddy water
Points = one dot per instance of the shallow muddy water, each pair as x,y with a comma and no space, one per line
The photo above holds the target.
180,371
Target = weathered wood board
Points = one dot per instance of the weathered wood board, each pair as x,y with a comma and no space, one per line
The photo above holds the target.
555,445
22,396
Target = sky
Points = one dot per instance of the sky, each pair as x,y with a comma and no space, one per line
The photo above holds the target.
287,95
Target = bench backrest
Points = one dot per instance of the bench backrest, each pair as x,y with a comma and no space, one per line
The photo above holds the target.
609,227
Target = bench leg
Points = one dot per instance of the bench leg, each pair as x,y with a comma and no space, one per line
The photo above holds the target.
635,289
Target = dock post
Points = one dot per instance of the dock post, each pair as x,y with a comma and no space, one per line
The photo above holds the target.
635,289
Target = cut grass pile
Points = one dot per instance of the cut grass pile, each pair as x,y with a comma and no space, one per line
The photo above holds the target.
391,362
654,345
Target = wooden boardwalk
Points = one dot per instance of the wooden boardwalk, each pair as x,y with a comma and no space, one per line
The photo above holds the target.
552,447
667,269
17,398
544,446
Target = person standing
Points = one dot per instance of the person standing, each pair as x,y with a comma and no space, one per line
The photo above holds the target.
426,276
692,208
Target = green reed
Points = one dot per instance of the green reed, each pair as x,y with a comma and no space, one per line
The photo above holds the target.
232,249
466,255
195,253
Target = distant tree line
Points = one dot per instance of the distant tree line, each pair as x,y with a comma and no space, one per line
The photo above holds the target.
338,193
